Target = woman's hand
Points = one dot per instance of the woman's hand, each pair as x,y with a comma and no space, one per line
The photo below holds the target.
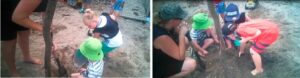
183,28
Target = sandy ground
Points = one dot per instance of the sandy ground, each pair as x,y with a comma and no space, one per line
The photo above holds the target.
132,59
281,60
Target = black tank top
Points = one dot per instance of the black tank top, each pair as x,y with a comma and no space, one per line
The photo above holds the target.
109,30
163,64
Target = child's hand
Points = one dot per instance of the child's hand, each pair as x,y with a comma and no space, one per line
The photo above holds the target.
182,28
231,36
82,69
76,75
216,40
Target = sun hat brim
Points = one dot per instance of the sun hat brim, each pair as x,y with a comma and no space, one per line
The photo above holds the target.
91,56
79,59
197,26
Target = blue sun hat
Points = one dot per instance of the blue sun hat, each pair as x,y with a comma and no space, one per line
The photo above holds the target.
231,12
220,7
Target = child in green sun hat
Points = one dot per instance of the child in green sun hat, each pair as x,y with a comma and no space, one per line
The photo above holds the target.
202,34
89,59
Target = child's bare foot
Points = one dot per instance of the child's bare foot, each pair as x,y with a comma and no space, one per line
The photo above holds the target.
201,54
205,52
256,71
76,75
228,48
33,61
240,53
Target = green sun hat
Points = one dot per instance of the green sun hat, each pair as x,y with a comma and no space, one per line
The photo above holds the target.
91,49
201,21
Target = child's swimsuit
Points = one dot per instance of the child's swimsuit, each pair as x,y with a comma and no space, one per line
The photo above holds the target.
109,30
269,33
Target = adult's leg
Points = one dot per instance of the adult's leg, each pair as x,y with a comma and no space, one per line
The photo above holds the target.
8,55
188,67
257,62
23,41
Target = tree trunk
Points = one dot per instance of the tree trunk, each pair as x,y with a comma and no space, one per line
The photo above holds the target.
47,35
221,68
212,11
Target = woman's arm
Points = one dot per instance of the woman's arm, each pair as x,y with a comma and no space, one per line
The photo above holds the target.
168,46
22,12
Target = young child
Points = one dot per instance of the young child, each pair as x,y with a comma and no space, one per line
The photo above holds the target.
232,19
117,7
262,33
201,34
105,27
89,53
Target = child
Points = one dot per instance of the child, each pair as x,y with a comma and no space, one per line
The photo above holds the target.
105,27
117,7
263,33
89,53
232,19
201,33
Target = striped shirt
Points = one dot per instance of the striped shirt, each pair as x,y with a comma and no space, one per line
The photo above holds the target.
94,69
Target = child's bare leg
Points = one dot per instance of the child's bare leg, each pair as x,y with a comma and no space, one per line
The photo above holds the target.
207,43
228,42
257,62
242,48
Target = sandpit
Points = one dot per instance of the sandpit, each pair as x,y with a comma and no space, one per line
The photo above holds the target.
132,59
